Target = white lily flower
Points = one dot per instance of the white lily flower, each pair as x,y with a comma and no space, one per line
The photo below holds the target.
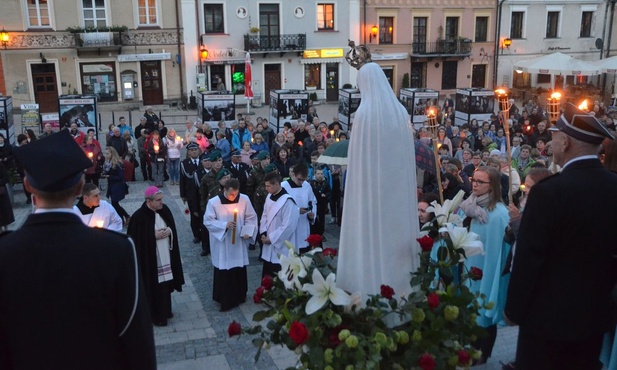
292,268
444,212
461,238
322,291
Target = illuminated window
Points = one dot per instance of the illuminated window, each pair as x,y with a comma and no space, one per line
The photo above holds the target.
312,76
325,16
147,12
386,30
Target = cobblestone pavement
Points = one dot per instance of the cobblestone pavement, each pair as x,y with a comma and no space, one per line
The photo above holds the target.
196,337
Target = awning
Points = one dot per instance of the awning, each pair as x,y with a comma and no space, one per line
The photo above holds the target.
320,60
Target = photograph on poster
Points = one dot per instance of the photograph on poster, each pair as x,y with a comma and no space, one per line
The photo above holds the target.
348,104
475,104
218,108
291,108
79,111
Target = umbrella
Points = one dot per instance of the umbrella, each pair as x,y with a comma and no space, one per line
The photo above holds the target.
248,80
558,64
335,153
425,158
608,65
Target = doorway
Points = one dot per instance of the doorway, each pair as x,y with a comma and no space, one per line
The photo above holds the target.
216,71
45,86
272,79
478,76
389,72
152,82
269,26
331,81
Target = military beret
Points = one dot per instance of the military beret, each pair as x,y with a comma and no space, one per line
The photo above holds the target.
222,173
270,168
215,155
263,155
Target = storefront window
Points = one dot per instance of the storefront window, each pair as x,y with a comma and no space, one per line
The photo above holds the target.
312,76
237,78
99,79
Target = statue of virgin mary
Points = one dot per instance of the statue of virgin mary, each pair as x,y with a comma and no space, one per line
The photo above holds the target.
380,218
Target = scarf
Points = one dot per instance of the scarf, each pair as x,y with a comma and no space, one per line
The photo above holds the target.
474,207
163,246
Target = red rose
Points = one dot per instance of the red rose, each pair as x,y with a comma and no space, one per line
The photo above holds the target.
267,282
259,293
463,357
333,338
426,243
387,292
298,333
314,240
427,362
234,329
330,252
475,273
433,300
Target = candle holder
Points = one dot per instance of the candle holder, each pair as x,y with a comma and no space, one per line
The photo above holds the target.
504,106
553,107
433,128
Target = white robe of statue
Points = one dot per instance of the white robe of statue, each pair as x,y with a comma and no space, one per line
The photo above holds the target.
380,218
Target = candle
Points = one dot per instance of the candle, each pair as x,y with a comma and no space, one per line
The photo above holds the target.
583,105
337,139
156,148
233,236
523,188
90,155
100,223
331,132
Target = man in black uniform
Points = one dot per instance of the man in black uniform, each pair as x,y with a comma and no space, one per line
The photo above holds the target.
70,295
564,264
239,170
189,187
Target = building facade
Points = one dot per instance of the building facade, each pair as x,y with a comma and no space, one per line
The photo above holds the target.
440,44
295,45
117,50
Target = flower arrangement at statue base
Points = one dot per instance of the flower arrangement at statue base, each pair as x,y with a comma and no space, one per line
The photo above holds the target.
331,329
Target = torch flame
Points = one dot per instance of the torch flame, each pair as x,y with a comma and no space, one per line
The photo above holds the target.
583,105
500,92
431,112
556,96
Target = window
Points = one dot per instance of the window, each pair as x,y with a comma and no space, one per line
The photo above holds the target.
386,30
419,34
516,26
418,75
451,28
213,18
312,76
325,16
38,13
543,78
521,80
146,10
448,75
99,79
586,24
552,25
481,29
95,13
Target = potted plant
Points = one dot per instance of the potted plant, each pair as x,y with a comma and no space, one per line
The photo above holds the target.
254,30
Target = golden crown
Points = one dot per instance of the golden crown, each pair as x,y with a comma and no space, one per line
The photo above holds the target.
358,55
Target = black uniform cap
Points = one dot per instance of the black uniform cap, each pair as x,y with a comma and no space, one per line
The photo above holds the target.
582,126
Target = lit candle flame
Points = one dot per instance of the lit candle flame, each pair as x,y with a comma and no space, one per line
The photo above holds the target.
337,139
156,147
522,187
90,155
100,223
331,132
527,128
583,105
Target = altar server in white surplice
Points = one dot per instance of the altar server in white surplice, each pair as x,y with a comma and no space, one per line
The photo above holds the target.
302,193
95,212
229,252
278,224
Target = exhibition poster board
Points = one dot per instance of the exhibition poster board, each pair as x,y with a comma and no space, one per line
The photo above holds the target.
473,103
287,106
348,103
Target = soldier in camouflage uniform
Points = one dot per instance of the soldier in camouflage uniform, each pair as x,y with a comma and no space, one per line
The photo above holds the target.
209,184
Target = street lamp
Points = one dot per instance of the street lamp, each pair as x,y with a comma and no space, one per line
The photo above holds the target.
4,38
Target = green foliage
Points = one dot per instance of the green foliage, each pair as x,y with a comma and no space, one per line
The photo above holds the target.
406,82
78,29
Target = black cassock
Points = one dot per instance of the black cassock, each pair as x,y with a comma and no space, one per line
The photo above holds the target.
141,230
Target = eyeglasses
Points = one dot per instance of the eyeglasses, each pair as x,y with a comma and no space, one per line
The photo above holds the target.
478,182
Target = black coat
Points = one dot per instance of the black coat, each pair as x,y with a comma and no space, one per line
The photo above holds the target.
189,182
241,174
66,293
141,230
564,264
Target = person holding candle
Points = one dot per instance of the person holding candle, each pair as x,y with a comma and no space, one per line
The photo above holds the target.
95,212
232,225
94,154
158,153
174,145
302,193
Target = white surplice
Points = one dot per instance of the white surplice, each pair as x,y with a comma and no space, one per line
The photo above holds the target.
225,254
302,195
279,221
104,212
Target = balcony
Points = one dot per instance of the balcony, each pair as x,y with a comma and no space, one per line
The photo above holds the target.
275,43
442,48
98,41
